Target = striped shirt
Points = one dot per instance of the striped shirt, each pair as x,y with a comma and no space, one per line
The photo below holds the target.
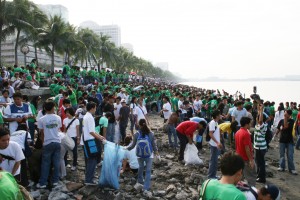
260,136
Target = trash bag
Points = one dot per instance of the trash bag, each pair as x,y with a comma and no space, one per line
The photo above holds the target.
191,155
111,166
117,133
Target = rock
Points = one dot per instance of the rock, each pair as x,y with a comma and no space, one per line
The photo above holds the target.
71,186
35,194
88,190
128,188
173,180
194,192
119,196
170,188
181,195
171,195
159,193
78,197
170,156
57,195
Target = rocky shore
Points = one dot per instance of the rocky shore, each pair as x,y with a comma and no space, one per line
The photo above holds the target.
170,179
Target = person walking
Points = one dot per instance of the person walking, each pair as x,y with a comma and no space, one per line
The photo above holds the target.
286,142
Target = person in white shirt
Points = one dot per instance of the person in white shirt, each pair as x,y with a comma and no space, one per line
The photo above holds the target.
122,93
130,159
197,105
49,126
88,134
117,107
181,107
214,143
71,125
133,107
141,112
167,109
11,154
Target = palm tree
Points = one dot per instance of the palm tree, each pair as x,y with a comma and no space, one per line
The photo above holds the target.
107,51
52,36
6,28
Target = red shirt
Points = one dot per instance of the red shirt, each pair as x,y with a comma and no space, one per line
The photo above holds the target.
63,115
242,139
298,118
187,128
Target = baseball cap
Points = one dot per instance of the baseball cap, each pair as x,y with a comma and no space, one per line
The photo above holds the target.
123,101
273,191
123,90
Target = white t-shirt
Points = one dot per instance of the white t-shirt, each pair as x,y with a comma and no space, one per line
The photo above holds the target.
133,107
238,114
72,129
16,114
50,123
5,100
88,126
197,105
141,112
249,195
117,108
213,126
167,114
132,158
15,151
181,107
19,137
39,115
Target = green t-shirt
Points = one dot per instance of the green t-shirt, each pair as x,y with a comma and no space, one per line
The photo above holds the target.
18,69
1,118
34,113
67,69
272,110
58,75
38,76
91,73
29,78
56,89
219,191
32,65
294,114
103,122
174,103
9,187
73,99
83,73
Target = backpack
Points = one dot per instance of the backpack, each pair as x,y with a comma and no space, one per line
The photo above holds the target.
243,187
144,146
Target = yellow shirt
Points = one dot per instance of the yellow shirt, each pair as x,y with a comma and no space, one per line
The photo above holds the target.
225,127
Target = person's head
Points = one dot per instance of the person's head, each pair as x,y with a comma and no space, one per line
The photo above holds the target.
5,93
143,126
4,138
123,102
25,98
248,108
166,99
49,107
133,100
108,115
5,84
18,97
239,105
70,112
202,125
17,74
233,126
127,140
288,113
65,94
118,99
245,122
232,166
268,192
91,107
22,127
216,115
140,101
66,103
111,98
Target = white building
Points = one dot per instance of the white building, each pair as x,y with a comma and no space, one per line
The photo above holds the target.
113,31
162,65
51,10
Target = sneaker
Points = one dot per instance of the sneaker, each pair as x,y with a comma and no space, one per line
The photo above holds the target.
147,194
138,186
73,168
294,172
31,183
280,169
55,184
40,186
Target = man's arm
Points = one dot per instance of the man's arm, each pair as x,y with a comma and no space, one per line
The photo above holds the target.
16,167
249,155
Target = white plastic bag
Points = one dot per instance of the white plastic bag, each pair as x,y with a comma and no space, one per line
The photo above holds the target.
191,155
117,133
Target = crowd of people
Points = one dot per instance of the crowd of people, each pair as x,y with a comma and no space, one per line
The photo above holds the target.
88,108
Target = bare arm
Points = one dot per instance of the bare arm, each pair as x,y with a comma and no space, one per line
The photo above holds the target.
97,136
16,167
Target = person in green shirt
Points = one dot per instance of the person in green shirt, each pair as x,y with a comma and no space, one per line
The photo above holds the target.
72,97
66,70
17,69
232,166
174,102
34,106
1,120
294,111
9,187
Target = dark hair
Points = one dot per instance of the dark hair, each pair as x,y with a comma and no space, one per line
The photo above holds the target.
5,84
289,112
215,114
49,105
34,101
244,121
66,101
5,91
248,107
203,124
70,111
90,105
132,100
108,114
65,93
4,131
22,126
231,163
167,98
233,126
17,95
143,126
25,97
127,140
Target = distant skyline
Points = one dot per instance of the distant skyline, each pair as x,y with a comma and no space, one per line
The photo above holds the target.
226,39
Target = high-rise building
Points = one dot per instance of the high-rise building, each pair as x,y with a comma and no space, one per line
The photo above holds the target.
51,10
113,31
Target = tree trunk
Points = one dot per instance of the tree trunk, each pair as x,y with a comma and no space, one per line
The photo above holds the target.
86,62
35,55
0,48
16,47
52,59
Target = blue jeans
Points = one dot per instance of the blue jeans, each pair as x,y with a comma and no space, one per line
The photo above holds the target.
103,80
50,154
132,122
289,147
145,163
158,105
172,132
213,163
110,132
90,168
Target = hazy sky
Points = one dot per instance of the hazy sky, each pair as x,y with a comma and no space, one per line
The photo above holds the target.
202,38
